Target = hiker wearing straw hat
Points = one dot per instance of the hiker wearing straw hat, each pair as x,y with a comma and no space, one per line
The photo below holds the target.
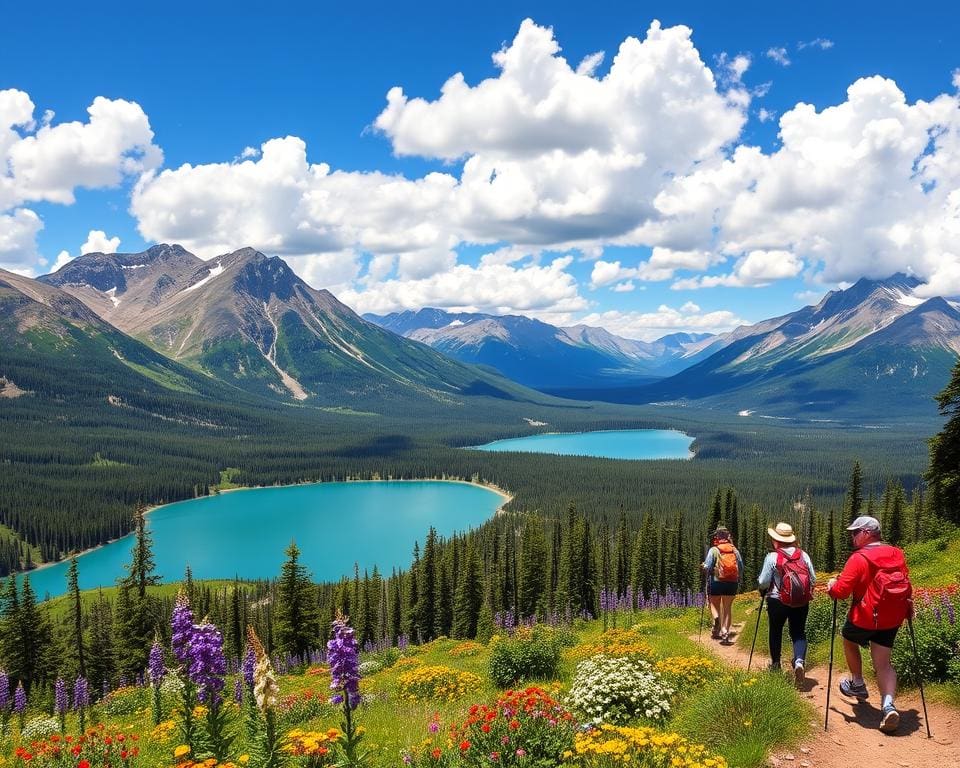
787,578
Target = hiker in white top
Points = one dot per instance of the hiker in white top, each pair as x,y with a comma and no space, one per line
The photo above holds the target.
787,579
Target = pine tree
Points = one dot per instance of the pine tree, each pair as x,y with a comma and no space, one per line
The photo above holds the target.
10,648
296,624
395,586
830,552
716,512
427,582
893,516
624,554
136,617
35,635
412,622
469,597
443,615
943,470
102,660
532,578
236,634
855,493
646,558
606,564
76,620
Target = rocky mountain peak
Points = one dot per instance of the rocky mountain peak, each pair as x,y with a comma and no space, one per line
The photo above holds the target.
262,276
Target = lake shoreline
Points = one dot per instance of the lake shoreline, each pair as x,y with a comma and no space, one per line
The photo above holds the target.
503,494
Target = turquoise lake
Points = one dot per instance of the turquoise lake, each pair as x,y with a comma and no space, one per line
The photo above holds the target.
244,533
610,444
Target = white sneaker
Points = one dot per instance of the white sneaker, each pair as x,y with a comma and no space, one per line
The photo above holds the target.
799,674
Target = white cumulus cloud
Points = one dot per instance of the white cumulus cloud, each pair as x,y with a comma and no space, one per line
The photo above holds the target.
870,187
494,288
648,326
46,162
97,242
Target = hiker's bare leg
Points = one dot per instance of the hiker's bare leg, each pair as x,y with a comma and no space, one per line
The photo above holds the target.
715,607
886,675
726,612
851,652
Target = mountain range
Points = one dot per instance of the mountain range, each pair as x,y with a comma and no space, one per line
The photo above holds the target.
245,319
864,350
548,357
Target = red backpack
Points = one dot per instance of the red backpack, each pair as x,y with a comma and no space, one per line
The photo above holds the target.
795,588
889,593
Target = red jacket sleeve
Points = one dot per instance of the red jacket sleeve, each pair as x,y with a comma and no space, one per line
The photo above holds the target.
853,580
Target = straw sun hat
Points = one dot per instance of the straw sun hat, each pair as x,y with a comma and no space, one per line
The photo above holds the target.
782,532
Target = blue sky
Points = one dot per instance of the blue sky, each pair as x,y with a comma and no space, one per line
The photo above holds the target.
571,185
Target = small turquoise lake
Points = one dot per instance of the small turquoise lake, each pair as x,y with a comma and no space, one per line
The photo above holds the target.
608,444
244,533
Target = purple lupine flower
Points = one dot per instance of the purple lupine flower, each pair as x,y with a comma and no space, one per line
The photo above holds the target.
60,700
155,667
207,662
344,661
81,693
122,682
4,688
19,699
105,688
249,662
238,689
182,625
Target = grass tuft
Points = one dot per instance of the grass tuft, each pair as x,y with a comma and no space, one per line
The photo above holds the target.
741,716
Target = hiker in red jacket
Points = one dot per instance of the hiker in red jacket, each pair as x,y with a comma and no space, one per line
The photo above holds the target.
876,576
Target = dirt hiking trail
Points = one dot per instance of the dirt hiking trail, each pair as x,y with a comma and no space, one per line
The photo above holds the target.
853,739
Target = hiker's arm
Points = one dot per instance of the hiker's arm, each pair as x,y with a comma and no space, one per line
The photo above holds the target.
813,573
853,574
766,574
709,560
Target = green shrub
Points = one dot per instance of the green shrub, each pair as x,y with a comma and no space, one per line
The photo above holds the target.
530,654
387,657
938,645
743,716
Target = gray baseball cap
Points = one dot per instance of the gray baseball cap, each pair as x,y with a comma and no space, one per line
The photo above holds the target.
865,523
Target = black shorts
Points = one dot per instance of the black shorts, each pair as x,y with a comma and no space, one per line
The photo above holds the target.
864,637
723,588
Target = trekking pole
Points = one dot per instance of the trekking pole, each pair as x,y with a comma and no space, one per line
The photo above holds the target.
916,660
703,607
833,635
756,630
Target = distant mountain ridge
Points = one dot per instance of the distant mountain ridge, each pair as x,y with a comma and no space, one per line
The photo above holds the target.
871,346
248,320
544,356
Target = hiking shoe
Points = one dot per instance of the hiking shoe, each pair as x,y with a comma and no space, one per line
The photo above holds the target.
774,667
799,673
715,632
849,688
889,719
